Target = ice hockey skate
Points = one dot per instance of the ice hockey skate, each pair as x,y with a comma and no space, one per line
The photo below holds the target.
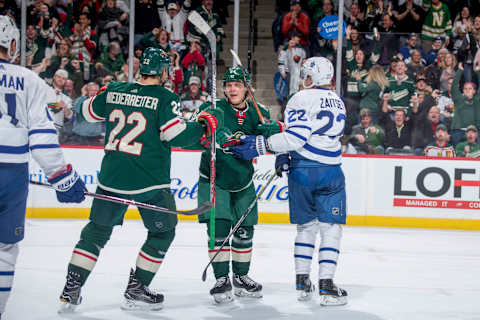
139,297
244,286
330,294
70,297
222,291
305,287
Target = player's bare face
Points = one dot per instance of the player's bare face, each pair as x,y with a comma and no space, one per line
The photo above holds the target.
235,92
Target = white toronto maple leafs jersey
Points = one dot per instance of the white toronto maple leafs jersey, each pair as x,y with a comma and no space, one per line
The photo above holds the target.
315,121
25,122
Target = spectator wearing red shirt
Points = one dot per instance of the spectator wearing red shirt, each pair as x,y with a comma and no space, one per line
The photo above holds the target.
296,21
193,62
175,73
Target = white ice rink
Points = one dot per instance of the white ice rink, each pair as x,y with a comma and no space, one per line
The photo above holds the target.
388,273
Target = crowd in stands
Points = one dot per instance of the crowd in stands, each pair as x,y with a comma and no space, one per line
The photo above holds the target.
79,46
411,70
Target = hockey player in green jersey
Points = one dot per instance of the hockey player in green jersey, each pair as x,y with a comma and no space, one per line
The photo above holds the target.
234,190
142,124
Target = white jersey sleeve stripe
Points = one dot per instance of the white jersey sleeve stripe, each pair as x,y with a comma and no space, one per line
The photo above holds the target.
14,149
172,128
44,146
299,136
300,127
36,131
321,152
88,113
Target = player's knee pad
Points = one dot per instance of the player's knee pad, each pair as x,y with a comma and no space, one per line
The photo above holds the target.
307,232
96,234
8,258
331,234
243,236
242,244
160,241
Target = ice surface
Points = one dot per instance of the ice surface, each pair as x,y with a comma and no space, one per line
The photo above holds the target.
388,273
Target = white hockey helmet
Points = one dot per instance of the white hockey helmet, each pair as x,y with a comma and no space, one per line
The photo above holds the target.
320,69
8,33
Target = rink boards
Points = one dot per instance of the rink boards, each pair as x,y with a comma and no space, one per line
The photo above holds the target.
414,192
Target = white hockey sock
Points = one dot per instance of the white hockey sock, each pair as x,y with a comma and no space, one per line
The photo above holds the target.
8,258
329,249
304,246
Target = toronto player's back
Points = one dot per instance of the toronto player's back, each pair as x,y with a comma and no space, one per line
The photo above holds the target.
327,112
19,89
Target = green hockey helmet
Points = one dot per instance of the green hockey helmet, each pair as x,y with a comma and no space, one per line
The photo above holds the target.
153,61
234,74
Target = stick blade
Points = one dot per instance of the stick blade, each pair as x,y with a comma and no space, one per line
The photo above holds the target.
204,207
196,19
204,275
236,57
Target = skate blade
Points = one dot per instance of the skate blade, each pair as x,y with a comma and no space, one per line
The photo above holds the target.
66,307
304,296
132,305
241,292
223,298
326,300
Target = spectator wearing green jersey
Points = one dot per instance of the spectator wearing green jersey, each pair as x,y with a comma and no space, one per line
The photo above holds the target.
471,147
400,89
370,89
437,23
467,107
367,137
112,59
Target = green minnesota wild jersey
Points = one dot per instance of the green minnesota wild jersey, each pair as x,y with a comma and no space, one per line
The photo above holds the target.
233,174
400,93
142,124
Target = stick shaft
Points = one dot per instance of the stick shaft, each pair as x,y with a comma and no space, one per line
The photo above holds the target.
128,201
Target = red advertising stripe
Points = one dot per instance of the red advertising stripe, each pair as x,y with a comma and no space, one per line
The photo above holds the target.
436,203
465,183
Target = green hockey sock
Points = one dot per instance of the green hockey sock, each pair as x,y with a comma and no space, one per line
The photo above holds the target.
85,254
242,250
221,264
151,255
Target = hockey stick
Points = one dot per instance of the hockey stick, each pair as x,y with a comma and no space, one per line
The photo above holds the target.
237,226
196,19
201,209
249,88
